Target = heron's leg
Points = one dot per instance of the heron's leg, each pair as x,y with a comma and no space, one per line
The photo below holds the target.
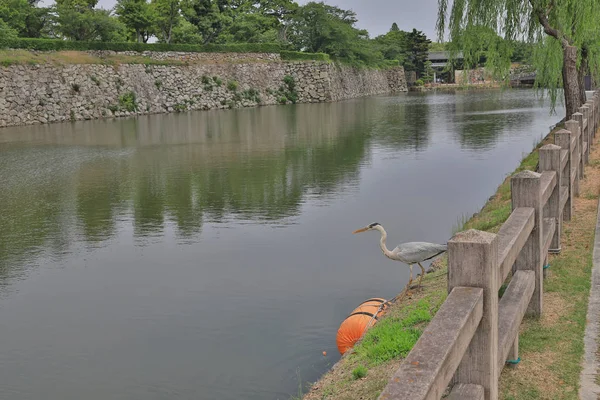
422,273
402,295
410,279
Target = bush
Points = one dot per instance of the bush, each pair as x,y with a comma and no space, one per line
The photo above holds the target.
252,95
389,63
128,102
205,79
232,85
290,82
57,44
300,56
419,82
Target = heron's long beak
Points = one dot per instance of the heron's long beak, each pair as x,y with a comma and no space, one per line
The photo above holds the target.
360,230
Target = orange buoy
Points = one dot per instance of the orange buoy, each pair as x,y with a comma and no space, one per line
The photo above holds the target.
356,324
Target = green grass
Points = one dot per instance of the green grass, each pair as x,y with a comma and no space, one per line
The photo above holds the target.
26,57
301,56
394,336
359,372
559,343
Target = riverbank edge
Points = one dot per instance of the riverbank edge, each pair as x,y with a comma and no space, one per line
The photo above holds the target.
86,86
339,382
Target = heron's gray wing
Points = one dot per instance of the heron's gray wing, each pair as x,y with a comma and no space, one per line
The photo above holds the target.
414,252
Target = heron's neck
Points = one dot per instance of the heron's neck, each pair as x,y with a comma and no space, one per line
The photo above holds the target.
382,241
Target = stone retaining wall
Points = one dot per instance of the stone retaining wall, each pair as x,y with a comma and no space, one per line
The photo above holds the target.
33,94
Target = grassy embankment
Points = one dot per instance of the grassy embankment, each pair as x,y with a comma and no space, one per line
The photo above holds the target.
10,57
551,346
25,57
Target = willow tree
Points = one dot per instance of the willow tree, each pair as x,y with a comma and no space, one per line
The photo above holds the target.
565,34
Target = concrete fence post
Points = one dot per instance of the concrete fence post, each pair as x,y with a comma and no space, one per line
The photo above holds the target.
594,105
550,161
597,104
573,127
594,102
587,114
584,138
526,192
589,129
591,104
584,132
473,262
562,138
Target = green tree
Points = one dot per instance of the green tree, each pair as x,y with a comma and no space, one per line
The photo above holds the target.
437,46
481,45
429,72
24,17
14,13
185,32
281,10
138,17
417,46
393,44
166,17
251,28
564,34
210,17
80,20
6,32
318,27
521,51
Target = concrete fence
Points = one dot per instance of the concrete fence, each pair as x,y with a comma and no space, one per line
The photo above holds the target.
475,332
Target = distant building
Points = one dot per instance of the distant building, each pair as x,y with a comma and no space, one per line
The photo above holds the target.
442,67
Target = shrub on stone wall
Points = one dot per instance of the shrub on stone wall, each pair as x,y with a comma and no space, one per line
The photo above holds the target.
128,101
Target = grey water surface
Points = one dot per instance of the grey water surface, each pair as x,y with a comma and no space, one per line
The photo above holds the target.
209,255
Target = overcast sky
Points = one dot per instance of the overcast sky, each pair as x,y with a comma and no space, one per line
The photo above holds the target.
377,16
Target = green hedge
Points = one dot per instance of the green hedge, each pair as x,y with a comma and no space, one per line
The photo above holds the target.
55,45
390,63
297,55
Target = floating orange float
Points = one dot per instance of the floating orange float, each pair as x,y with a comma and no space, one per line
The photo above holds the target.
356,324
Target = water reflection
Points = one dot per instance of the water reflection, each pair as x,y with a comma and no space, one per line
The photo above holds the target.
184,169
481,123
144,247
254,164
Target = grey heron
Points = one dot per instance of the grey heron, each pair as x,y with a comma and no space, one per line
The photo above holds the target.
409,253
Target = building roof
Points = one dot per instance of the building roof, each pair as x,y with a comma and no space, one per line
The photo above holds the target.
442,56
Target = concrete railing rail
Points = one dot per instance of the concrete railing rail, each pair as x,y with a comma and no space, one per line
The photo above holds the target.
474,333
